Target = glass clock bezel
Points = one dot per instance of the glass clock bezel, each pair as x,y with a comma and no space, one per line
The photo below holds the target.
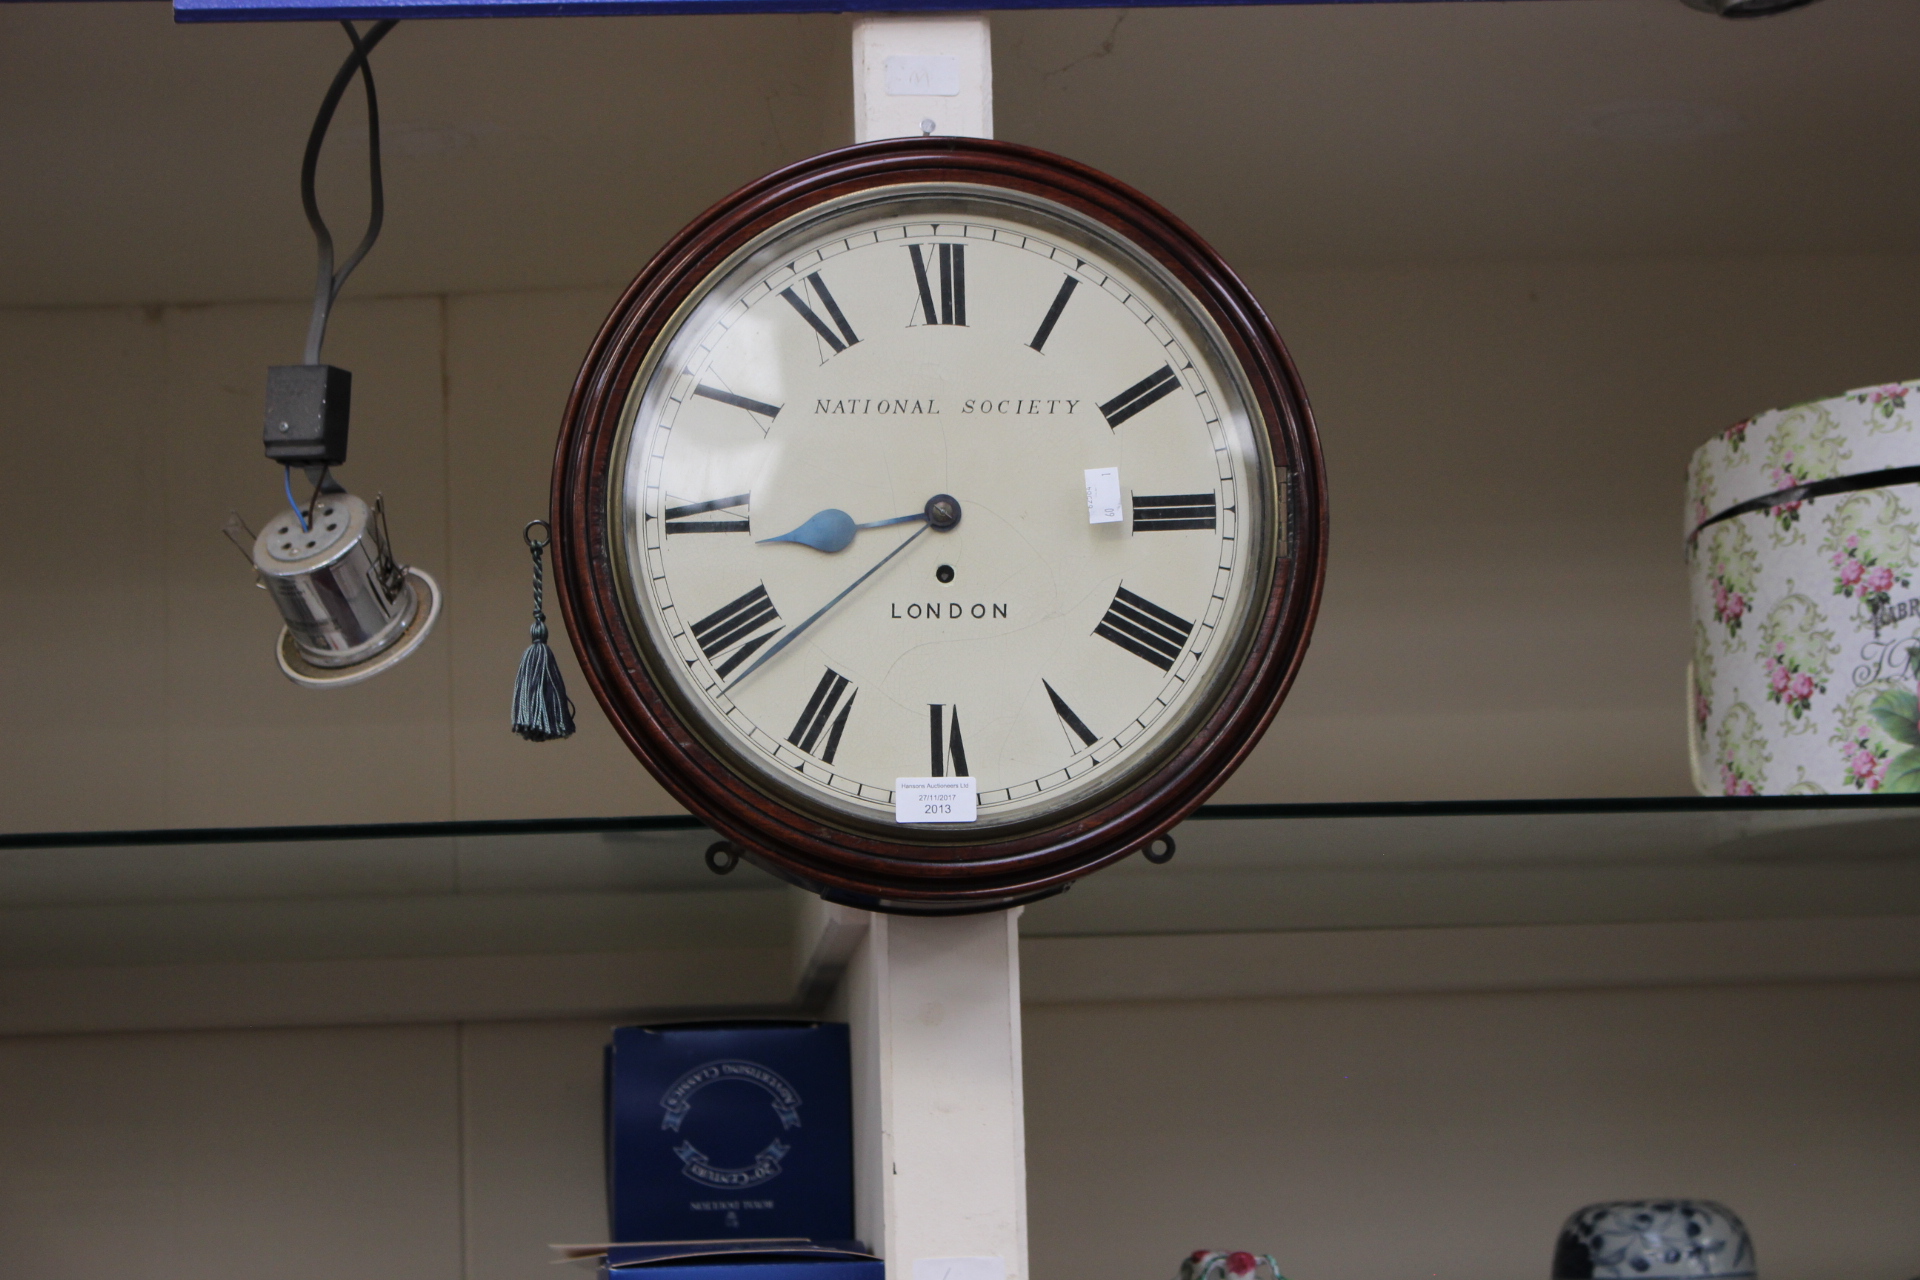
1261,498
871,867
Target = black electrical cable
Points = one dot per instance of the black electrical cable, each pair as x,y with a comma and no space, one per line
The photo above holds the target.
327,287
319,487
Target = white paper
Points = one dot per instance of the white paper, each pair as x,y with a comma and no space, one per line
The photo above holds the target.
936,800
923,76
960,1269
1103,495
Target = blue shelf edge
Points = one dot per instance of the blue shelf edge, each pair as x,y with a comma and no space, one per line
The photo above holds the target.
188,11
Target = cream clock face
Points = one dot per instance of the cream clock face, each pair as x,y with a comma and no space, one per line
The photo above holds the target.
860,538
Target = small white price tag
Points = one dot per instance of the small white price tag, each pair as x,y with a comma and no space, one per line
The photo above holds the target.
935,800
1103,495
959,1269
923,76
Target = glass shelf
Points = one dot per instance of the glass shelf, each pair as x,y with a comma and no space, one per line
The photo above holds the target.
602,885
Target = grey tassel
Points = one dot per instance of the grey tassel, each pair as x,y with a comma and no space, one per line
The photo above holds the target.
541,708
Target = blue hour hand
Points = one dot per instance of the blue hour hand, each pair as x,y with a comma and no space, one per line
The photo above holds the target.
833,529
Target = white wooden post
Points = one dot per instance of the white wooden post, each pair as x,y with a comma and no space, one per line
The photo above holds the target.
933,1003
915,75
939,1129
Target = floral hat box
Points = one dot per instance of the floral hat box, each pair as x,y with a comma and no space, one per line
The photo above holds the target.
1803,545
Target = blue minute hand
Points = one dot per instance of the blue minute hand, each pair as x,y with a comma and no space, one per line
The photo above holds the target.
795,634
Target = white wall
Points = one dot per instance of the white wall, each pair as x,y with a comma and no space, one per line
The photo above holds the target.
1505,604
1356,1138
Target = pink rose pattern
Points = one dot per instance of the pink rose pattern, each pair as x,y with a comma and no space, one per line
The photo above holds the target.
1884,402
1702,678
1731,566
1742,756
1869,548
1787,476
1805,446
1795,655
1860,744
1787,684
1729,606
1858,571
1866,760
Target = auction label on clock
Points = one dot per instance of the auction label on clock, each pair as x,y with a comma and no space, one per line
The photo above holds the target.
1103,495
935,800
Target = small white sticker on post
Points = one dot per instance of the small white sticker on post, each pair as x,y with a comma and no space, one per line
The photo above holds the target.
1103,495
935,800
923,76
959,1269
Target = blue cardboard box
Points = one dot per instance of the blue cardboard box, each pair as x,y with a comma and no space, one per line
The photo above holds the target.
723,1131
759,1269
772,1261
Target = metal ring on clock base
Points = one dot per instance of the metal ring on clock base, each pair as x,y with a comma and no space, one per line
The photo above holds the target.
913,872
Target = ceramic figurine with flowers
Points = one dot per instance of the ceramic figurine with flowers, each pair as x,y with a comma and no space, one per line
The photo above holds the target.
1216,1264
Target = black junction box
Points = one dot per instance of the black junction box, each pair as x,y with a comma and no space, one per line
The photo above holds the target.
306,421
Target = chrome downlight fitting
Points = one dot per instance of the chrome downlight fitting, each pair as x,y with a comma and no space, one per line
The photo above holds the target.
351,609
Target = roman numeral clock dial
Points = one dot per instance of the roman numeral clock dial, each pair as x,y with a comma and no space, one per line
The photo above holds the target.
849,536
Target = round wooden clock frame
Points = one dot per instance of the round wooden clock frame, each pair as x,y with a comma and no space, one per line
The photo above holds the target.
948,874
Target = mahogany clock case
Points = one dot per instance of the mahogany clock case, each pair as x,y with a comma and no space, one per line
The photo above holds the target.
916,870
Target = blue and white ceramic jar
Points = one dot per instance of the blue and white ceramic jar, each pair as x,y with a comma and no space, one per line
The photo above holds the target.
1654,1240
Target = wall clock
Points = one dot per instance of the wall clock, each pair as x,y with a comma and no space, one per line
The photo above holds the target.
938,458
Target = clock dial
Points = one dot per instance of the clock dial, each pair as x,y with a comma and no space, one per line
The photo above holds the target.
832,627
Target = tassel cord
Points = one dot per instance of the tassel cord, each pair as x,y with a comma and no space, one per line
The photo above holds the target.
538,632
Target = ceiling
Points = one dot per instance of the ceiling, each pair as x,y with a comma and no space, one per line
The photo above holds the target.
147,162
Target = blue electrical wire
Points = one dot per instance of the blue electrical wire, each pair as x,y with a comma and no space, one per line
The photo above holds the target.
286,473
